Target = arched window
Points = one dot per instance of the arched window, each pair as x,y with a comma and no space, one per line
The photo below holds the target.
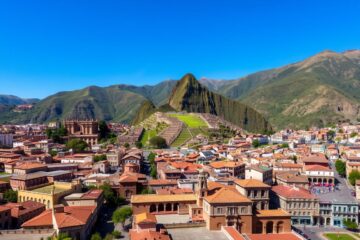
152,208
269,227
280,227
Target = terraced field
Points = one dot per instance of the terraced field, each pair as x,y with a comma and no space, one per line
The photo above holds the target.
191,120
183,137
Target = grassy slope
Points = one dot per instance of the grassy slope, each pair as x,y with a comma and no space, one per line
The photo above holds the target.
148,134
183,137
190,120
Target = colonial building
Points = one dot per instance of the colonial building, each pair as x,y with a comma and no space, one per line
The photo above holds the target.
299,202
259,172
292,179
218,206
227,207
22,212
37,179
75,221
255,190
5,217
153,203
49,195
229,168
86,130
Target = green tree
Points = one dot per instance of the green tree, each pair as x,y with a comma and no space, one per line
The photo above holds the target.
256,143
117,234
353,176
121,214
151,158
158,142
62,236
53,153
126,145
56,134
153,171
109,236
138,144
331,134
101,157
96,236
10,196
350,224
353,134
147,191
109,194
77,145
284,145
340,167
104,130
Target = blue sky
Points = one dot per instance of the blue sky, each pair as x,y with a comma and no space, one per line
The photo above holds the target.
50,46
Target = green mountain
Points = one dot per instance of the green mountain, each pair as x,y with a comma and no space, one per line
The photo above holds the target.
157,94
189,95
320,90
114,103
14,100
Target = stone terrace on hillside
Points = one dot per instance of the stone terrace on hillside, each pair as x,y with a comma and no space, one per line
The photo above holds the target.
173,130
214,121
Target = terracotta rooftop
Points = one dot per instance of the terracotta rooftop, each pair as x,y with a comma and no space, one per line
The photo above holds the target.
149,198
71,217
317,168
288,165
315,158
214,185
225,164
235,235
292,192
155,182
4,208
30,165
251,183
292,177
272,213
148,235
18,209
227,195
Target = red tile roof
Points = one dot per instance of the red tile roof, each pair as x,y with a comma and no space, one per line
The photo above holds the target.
292,192
148,235
30,165
317,168
19,209
227,195
71,217
234,233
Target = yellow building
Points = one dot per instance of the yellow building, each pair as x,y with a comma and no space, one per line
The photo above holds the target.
49,195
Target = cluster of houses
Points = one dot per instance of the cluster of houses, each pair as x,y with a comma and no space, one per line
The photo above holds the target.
244,190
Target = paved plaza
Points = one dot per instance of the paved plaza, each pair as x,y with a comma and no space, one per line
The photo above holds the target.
172,218
196,233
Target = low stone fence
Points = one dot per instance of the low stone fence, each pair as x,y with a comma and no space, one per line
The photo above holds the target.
28,231
184,225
